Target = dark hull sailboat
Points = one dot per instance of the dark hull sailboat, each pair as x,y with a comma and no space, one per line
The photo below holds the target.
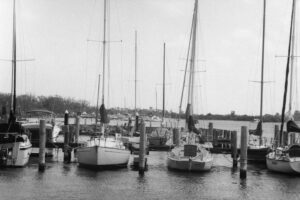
257,148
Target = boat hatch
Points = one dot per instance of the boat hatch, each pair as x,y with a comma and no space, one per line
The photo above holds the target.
190,150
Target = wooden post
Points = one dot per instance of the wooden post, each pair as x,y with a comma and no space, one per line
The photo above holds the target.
67,152
211,133
244,147
136,123
142,149
176,140
276,135
42,145
77,128
234,148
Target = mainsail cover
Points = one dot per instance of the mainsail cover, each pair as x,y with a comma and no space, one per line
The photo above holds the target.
190,120
291,126
187,113
258,130
103,114
191,125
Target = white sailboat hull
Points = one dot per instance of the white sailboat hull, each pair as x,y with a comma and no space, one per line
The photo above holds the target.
98,156
284,166
180,159
189,164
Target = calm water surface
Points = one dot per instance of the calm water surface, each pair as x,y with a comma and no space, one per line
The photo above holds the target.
68,181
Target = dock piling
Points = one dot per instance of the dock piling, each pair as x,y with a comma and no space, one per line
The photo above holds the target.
142,149
77,128
276,135
67,150
42,145
212,133
234,148
244,147
176,140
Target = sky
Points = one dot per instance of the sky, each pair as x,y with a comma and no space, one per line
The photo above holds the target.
55,34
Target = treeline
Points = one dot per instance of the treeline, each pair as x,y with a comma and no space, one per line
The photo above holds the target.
58,105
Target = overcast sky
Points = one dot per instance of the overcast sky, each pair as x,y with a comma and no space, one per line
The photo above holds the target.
55,33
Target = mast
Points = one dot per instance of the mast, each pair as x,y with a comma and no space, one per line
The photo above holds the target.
292,61
14,63
97,107
262,64
135,67
155,98
164,70
287,71
104,52
186,66
192,64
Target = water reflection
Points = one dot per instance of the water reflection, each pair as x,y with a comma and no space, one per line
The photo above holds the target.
68,181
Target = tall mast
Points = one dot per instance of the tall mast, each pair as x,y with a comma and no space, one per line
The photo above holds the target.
14,62
155,98
108,53
186,66
97,107
104,52
164,82
262,64
287,71
192,64
135,68
292,61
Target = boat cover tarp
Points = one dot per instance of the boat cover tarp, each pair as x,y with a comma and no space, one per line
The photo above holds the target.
258,130
291,126
103,114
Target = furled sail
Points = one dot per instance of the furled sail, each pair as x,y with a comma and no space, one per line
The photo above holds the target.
103,114
258,130
187,113
191,125
291,126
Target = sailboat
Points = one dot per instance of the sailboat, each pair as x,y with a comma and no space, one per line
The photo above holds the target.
15,147
285,158
189,155
103,151
159,137
134,139
257,148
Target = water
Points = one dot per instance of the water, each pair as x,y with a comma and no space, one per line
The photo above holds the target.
69,181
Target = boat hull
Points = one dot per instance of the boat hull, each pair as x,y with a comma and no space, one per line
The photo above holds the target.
15,154
283,166
97,156
189,164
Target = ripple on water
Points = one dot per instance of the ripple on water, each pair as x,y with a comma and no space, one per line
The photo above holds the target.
68,181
